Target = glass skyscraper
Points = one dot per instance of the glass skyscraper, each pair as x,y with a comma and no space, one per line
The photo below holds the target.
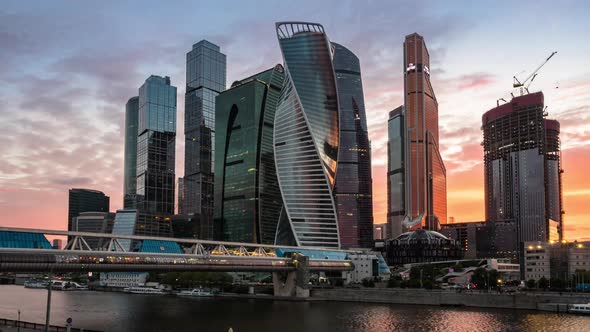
85,200
426,185
306,137
353,189
205,79
156,145
130,160
247,195
522,165
396,181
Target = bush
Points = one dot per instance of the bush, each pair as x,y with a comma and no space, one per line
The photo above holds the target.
394,283
531,283
368,282
543,283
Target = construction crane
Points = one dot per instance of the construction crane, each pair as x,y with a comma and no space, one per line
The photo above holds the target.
531,77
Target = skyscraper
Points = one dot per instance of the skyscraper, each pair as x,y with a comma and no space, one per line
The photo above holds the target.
416,176
247,196
306,137
396,181
522,166
426,183
156,145
180,189
130,160
205,79
85,200
353,189
94,222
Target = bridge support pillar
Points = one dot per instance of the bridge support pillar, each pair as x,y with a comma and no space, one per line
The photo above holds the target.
293,283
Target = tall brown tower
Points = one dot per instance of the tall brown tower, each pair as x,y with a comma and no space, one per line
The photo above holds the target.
425,174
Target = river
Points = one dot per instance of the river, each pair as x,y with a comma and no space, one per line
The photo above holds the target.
125,312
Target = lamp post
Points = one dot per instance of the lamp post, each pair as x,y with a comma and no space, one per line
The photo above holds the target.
18,321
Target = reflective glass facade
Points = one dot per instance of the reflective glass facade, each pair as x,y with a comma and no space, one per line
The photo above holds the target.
86,200
353,189
306,136
425,171
130,159
247,195
94,222
23,240
396,182
125,224
522,169
156,154
205,78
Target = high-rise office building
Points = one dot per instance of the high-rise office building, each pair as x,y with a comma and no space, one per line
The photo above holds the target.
86,200
416,175
94,222
156,145
522,166
426,183
205,79
353,188
247,195
130,160
306,137
180,190
396,178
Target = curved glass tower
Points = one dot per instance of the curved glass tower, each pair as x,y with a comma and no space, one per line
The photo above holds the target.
353,190
306,137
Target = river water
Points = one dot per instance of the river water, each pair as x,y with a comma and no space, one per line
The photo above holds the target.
127,312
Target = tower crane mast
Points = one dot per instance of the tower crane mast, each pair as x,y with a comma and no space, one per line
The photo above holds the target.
518,84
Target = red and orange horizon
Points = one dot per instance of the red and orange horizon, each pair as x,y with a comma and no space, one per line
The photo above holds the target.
67,70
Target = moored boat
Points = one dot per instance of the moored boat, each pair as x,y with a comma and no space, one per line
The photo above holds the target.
197,292
580,308
143,290
36,284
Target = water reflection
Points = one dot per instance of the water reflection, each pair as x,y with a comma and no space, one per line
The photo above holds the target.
123,312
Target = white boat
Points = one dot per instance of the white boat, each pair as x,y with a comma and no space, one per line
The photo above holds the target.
143,290
67,285
36,284
197,292
580,308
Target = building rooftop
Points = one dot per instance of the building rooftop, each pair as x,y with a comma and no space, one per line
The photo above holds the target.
23,240
515,103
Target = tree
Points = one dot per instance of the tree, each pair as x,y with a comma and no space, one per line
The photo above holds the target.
531,283
479,278
368,282
543,283
557,283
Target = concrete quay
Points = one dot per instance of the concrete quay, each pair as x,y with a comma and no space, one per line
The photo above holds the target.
543,301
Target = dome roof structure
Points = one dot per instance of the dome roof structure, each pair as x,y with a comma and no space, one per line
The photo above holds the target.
421,235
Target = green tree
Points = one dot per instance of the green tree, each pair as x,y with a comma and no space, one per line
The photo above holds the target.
557,283
531,283
543,283
479,278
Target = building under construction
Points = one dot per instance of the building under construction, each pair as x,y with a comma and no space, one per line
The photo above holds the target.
522,159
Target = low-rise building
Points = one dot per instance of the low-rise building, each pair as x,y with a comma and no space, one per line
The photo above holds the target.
132,279
123,279
554,259
465,233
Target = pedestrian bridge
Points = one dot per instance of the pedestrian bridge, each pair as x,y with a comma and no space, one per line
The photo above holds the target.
28,252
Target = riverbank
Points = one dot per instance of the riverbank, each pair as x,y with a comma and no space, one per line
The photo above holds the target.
553,302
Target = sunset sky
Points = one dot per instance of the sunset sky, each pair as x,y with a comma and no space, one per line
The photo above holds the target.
68,68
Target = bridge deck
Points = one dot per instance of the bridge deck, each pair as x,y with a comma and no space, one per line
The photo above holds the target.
43,260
